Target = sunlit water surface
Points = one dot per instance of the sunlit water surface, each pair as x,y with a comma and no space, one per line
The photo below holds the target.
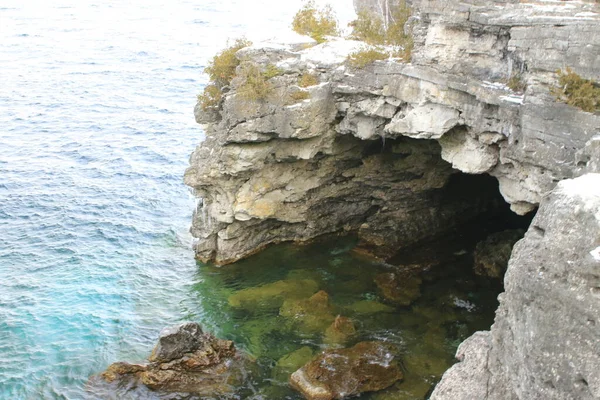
96,128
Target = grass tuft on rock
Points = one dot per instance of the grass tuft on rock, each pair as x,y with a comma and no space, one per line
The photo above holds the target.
255,85
299,96
577,91
366,56
516,83
307,79
314,22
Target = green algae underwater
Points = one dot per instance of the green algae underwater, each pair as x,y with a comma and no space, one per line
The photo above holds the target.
283,305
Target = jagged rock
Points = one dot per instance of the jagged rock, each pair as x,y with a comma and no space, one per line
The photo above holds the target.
175,341
272,295
401,287
185,360
544,343
337,374
492,254
339,332
310,315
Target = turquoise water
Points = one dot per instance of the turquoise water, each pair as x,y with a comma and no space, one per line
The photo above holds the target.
96,128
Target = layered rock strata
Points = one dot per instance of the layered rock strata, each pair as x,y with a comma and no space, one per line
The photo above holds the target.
365,151
545,341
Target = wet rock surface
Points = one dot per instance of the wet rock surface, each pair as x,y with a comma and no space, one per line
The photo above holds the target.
185,360
401,287
337,374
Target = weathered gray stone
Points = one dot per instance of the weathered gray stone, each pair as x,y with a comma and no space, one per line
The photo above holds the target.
544,343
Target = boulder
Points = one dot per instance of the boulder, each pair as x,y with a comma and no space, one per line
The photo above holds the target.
337,374
289,363
310,315
339,332
272,295
401,287
185,360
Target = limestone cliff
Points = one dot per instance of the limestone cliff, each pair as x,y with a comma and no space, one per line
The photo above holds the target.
365,151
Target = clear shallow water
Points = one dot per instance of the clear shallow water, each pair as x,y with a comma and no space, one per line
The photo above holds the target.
96,127
260,304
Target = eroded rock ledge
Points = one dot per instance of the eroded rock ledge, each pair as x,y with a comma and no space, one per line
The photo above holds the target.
366,151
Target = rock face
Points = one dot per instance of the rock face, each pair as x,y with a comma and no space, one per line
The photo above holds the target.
185,360
337,374
365,152
545,341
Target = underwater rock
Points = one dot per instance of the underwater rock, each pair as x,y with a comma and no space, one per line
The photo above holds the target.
369,307
289,363
339,332
492,254
337,374
310,315
200,364
402,287
272,295
411,388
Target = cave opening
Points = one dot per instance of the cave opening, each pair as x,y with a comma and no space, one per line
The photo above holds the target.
414,258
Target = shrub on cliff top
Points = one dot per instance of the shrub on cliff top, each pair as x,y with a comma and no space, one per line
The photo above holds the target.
316,23
366,56
577,91
221,70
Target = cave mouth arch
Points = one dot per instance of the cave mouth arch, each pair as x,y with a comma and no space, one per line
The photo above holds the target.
426,200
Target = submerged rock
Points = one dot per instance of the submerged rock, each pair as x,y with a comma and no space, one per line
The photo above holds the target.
369,307
337,374
339,332
402,287
272,295
492,254
289,363
185,360
310,315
